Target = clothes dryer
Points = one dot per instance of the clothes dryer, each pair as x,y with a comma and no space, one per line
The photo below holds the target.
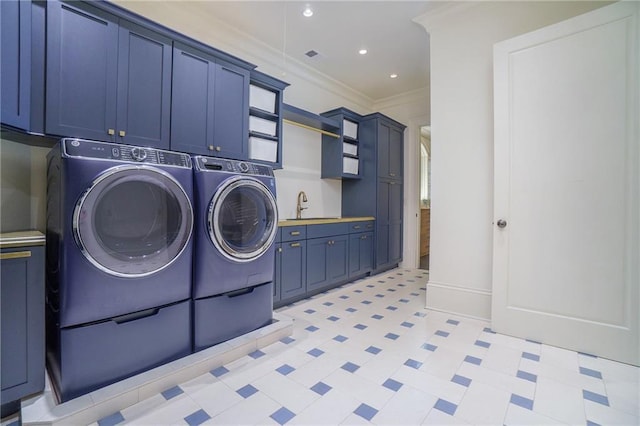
236,221
119,261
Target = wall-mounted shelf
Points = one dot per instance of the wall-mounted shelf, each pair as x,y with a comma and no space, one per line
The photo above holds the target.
308,120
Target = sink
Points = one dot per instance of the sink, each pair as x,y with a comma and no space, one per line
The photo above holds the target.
314,218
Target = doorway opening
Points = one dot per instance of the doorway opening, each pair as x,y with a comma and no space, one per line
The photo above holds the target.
425,195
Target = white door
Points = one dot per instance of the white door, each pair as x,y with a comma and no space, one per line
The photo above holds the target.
567,184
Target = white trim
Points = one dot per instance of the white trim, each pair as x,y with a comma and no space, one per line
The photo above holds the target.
416,95
463,315
459,288
441,14
463,301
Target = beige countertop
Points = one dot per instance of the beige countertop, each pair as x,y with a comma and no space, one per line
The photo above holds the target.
323,220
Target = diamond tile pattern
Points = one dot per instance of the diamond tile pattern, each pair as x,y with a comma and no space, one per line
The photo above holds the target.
354,359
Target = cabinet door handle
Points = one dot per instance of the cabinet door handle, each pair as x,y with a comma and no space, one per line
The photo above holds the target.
211,147
294,245
15,255
111,132
392,183
392,174
370,226
121,133
356,227
294,233
279,249
218,149
364,237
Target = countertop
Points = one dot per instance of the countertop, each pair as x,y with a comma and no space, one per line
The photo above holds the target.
323,220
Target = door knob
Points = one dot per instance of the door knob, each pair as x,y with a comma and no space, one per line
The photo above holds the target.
501,223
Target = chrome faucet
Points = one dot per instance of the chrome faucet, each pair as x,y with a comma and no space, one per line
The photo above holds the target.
299,207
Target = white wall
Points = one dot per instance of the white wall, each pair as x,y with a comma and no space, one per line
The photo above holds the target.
22,186
462,142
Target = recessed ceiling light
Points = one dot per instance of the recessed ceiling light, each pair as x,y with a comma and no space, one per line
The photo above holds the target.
362,51
394,76
307,12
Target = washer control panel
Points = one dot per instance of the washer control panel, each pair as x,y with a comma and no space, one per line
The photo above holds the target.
232,166
128,153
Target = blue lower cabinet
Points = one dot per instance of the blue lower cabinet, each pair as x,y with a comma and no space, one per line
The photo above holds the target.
293,277
360,254
327,261
85,358
22,321
223,317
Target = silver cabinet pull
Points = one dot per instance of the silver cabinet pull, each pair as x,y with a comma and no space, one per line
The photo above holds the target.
121,133
111,132
294,245
294,233
501,223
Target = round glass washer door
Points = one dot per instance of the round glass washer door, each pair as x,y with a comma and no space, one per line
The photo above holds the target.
242,219
133,221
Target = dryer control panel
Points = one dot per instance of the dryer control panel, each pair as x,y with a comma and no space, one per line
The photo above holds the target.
115,152
232,166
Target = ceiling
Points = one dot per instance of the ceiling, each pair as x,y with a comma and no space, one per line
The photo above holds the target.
336,31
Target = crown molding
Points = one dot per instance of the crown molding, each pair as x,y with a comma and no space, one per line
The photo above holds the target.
414,96
446,10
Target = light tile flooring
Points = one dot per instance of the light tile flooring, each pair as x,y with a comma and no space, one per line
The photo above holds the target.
369,352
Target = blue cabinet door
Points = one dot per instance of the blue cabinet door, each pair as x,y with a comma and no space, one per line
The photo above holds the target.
277,273
317,262
354,255
383,149
144,87
209,105
192,101
395,152
231,112
360,253
366,252
22,322
82,66
293,278
338,259
15,62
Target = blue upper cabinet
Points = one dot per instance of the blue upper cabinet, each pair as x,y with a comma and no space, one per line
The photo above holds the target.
107,79
15,63
341,155
265,119
144,87
210,113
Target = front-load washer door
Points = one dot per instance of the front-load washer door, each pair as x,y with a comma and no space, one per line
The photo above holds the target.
242,219
133,221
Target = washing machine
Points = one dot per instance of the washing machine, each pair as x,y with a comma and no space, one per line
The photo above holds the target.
119,262
236,221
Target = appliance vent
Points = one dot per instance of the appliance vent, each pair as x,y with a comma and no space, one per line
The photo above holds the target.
311,53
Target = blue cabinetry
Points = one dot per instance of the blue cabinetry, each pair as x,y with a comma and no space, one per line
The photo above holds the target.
291,265
210,112
22,312
107,79
265,119
360,248
313,258
327,261
15,62
341,155
380,191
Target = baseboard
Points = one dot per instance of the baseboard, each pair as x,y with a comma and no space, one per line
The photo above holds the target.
464,301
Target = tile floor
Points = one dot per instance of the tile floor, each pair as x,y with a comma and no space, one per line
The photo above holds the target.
369,352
